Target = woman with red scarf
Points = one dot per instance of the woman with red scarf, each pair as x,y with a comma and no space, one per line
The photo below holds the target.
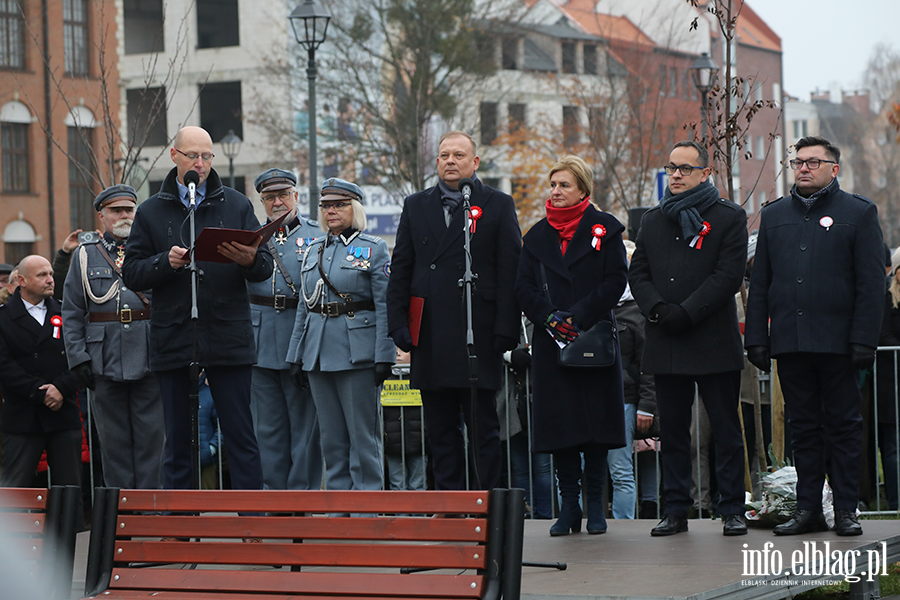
572,272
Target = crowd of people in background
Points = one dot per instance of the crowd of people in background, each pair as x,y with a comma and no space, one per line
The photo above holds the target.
297,333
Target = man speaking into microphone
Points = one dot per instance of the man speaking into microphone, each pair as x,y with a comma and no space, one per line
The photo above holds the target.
428,264
156,258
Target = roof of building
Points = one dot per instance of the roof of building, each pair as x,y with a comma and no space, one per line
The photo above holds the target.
619,28
753,31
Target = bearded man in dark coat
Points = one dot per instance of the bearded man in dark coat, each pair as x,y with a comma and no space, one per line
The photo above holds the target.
428,264
689,264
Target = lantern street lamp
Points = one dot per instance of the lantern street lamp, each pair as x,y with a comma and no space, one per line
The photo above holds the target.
310,24
231,145
704,72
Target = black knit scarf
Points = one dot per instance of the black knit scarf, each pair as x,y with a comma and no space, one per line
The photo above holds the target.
685,208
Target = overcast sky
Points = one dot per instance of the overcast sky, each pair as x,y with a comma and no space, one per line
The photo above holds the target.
827,43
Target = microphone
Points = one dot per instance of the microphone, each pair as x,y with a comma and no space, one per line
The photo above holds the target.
465,186
191,180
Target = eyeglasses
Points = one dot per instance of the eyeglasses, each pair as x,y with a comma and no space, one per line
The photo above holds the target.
812,163
283,195
206,156
334,205
686,170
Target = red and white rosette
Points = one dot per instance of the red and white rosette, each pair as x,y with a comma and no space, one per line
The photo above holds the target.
697,242
474,214
597,231
56,321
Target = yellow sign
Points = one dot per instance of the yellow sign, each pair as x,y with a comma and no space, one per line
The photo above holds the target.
398,393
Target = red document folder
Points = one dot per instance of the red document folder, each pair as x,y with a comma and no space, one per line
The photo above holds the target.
210,238
415,318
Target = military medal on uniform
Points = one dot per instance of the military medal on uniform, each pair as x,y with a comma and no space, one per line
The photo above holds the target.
359,256
56,321
280,237
120,256
300,243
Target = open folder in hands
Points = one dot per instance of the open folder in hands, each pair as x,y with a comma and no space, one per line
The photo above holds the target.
205,247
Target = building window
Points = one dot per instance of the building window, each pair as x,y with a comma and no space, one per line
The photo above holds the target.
596,123
800,129
14,143
759,93
221,109
143,26
760,147
511,54
590,59
81,193
75,36
217,24
673,82
488,122
516,117
568,57
147,117
12,35
762,199
570,125
663,74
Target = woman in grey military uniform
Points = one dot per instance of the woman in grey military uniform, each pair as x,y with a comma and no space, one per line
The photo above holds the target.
340,345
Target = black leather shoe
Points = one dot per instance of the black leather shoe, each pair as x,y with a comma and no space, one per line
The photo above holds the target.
670,525
846,523
802,521
734,525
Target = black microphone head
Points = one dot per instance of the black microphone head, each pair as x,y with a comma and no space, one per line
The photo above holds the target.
464,183
192,177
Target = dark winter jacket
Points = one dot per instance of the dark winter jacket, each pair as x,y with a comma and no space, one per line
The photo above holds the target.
573,406
639,387
402,436
665,268
224,331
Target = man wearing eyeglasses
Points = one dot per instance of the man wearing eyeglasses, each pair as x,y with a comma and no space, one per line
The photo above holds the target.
816,304
688,265
284,416
156,258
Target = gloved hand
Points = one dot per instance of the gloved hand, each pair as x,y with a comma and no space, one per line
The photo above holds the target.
676,319
658,312
520,359
759,357
503,343
382,372
85,374
563,326
402,338
862,357
299,376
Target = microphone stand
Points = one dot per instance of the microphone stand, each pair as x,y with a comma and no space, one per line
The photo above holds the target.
194,369
467,283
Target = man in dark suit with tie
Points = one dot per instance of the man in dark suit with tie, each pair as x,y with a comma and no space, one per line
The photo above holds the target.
428,263
40,411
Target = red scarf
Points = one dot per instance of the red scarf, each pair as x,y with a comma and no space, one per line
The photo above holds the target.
565,220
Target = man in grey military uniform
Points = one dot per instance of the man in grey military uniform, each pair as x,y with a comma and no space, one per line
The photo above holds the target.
105,329
284,417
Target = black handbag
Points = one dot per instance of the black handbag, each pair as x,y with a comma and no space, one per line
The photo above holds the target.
595,347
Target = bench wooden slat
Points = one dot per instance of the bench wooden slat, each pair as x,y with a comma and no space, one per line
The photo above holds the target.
351,584
309,501
23,523
362,528
23,498
25,548
324,555
182,595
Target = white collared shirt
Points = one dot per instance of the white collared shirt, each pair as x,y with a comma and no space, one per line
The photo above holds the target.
38,311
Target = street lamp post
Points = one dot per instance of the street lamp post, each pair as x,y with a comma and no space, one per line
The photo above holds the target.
704,72
231,145
310,24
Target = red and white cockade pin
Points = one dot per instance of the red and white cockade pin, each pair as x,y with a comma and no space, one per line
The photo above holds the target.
826,222
474,214
56,321
598,231
697,242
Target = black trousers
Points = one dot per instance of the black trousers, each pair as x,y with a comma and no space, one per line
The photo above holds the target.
443,427
230,387
822,393
675,397
22,453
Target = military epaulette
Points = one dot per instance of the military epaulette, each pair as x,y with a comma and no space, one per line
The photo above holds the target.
369,238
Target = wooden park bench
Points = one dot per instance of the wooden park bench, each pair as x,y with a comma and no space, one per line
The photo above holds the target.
38,528
418,545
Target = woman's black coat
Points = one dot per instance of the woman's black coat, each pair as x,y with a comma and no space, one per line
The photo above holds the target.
574,406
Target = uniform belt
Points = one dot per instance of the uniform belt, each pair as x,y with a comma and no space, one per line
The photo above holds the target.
333,309
279,302
125,316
